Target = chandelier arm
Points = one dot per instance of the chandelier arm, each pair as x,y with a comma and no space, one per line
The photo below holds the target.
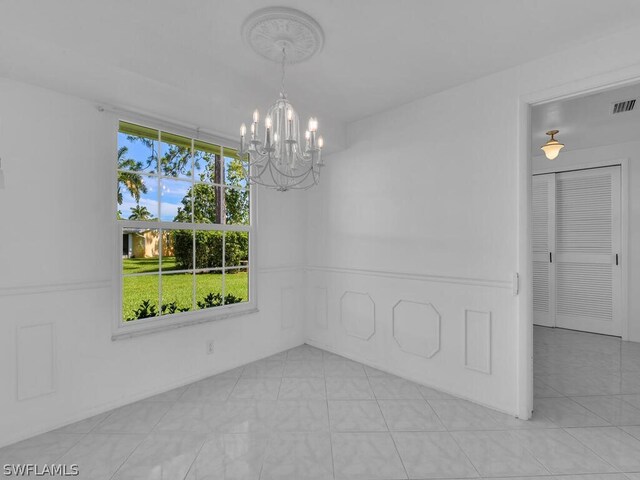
260,173
299,179
286,174
269,162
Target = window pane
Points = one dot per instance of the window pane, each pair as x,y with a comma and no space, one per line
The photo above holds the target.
176,201
205,166
236,249
237,206
137,153
208,290
137,197
182,242
234,173
236,286
209,249
206,206
177,293
168,250
175,155
142,250
139,297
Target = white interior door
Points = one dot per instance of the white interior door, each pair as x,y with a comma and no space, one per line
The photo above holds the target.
588,239
543,191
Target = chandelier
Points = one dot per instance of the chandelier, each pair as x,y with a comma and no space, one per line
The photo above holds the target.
277,154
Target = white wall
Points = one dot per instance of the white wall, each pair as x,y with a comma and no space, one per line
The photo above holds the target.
631,152
56,259
425,205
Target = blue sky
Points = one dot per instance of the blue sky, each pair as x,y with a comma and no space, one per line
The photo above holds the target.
173,190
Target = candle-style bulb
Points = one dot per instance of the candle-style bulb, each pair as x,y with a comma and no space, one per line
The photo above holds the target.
313,124
243,129
267,122
320,142
256,116
307,134
289,114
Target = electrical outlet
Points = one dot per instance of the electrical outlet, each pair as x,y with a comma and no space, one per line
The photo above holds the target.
210,347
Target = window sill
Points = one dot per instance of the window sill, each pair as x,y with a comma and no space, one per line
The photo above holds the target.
155,325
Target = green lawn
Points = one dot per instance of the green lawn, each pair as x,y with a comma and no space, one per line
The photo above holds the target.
144,265
176,287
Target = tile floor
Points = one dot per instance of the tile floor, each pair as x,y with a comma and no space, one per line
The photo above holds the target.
309,414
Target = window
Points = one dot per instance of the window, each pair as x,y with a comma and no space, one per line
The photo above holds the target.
183,210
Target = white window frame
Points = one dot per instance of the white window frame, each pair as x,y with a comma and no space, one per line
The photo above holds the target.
122,329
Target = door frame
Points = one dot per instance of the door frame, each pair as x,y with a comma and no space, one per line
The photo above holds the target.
623,163
577,88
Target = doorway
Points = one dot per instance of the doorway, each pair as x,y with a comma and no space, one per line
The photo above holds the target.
584,211
576,241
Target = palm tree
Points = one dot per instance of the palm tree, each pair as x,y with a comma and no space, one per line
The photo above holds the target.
140,212
133,182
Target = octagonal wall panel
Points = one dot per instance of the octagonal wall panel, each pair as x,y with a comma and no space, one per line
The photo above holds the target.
416,328
358,316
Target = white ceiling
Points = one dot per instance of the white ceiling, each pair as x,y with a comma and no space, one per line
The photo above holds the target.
586,122
185,59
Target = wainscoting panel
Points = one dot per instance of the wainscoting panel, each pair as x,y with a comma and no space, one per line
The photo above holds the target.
358,314
416,328
477,341
36,360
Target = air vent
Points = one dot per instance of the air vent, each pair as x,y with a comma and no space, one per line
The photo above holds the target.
625,106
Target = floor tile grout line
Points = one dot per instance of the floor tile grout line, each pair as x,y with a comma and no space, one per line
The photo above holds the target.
395,446
590,411
573,397
455,440
195,458
77,442
326,393
146,437
567,431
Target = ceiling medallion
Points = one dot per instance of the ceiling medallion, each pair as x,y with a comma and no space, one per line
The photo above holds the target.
284,158
269,30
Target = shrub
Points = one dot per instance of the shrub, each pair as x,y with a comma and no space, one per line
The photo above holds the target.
215,300
147,310
209,249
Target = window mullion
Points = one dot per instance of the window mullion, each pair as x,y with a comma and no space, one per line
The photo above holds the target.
193,232
224,261
160,230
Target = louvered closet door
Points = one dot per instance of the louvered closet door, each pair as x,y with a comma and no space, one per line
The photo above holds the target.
588,282
543,192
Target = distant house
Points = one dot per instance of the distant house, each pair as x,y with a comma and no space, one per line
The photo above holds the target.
146,244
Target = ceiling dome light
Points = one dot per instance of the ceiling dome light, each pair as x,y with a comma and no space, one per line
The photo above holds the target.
552,148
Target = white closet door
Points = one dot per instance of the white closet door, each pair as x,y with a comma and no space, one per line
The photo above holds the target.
588,281
543,192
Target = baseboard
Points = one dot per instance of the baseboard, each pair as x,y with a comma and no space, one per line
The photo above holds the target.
328,348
